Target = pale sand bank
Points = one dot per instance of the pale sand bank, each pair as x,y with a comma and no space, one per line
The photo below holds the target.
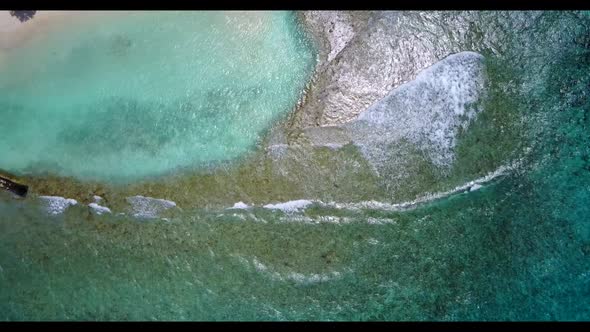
14,32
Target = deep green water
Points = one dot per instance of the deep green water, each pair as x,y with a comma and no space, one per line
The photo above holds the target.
516,249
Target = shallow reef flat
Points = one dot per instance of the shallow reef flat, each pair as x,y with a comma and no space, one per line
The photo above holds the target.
293,140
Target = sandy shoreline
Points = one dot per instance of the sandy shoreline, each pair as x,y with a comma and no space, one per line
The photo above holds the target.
14,33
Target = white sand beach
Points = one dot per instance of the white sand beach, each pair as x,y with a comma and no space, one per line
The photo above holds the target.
14,33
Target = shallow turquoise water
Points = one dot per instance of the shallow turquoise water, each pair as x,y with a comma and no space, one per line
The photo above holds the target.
517,249
147,93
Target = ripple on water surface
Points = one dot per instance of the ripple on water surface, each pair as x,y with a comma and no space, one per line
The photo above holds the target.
149,92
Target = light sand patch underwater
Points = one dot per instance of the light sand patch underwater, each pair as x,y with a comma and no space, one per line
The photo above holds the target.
148,93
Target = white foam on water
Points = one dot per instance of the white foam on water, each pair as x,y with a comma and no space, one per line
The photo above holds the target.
373,241
290,206
426,112
148,207
331,146
296,218
294,206
99,209
374,205
333,220
300,278
475,187
258,265
240,205
57,204
315,220
380,221
313,277
240,216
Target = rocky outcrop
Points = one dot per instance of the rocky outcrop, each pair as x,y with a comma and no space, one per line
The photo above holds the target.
364,55
13,187
427,113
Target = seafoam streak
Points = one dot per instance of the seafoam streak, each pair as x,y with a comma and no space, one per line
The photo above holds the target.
99,209
291,207
297,277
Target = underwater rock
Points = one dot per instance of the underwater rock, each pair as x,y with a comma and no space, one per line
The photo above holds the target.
120,45
56,204
13,187
364,55
148,207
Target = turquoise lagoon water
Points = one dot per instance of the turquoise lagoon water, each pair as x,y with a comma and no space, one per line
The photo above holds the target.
147,93
516,249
